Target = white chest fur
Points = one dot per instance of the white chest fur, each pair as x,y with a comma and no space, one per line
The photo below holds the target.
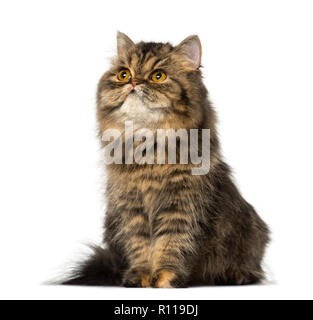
136,110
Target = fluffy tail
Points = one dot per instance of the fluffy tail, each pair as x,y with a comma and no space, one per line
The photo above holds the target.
100,269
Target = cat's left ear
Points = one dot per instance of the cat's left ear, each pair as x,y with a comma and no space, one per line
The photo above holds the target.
190,51
124,43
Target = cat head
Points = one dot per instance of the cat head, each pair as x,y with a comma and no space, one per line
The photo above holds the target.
153,84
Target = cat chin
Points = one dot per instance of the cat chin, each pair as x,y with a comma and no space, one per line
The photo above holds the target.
141,113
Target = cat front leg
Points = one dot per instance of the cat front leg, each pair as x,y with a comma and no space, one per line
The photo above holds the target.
137,248
127,227
172,250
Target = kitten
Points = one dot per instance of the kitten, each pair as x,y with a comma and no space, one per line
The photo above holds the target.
164,226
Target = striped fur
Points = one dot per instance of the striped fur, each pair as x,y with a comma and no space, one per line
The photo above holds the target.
165,227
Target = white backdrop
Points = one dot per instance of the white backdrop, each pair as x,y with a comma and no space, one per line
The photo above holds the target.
258,67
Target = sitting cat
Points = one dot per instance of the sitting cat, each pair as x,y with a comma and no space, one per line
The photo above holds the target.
166,227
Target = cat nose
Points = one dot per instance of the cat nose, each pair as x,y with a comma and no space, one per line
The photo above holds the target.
134,82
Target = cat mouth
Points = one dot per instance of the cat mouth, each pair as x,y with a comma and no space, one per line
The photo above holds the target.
134,95
134,92
142,95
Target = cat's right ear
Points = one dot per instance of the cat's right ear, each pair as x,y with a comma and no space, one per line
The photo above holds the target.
124,43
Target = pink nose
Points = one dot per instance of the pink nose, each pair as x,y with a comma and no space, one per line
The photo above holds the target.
134,83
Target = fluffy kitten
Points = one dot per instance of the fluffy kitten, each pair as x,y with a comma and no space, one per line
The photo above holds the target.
165,227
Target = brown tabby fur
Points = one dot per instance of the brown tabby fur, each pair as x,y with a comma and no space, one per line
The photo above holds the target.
165,227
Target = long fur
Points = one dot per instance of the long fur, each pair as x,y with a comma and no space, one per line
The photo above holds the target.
165,227
99,269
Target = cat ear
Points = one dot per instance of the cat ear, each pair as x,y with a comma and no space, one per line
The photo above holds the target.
190,51
124,43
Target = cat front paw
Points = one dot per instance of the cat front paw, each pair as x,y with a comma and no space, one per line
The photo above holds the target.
167,279
137,278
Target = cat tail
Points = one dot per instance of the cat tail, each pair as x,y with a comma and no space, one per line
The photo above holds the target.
99,269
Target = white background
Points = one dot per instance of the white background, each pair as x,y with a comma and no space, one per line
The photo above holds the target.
258,67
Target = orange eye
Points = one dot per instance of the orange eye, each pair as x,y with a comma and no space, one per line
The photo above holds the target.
158,76
123,75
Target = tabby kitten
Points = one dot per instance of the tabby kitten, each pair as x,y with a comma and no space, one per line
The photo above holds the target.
164,226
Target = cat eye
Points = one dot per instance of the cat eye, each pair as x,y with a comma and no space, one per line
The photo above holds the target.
158,76
123,75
